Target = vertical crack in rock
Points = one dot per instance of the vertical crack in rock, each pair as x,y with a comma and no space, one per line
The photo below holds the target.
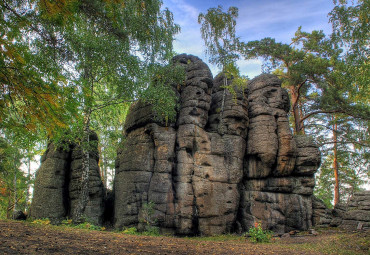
57,185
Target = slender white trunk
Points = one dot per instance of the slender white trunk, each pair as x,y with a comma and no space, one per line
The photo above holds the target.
221,123
28,182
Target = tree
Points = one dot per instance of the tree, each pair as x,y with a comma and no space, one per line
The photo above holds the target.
299,65
100,53
347,87
327,78
28,83
13,183
218,33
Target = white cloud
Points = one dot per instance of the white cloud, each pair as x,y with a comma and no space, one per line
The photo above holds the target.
278,19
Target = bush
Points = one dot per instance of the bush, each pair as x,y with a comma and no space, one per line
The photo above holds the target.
130,231
258,235
151,231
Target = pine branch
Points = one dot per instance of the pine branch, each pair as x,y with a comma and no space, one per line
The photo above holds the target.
301,84
318,112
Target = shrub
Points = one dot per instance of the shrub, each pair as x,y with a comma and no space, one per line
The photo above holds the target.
151,231
130,231
258,235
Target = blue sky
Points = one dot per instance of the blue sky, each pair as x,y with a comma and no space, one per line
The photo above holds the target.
278,19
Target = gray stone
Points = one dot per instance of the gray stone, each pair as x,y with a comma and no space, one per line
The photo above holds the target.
229,161
57,185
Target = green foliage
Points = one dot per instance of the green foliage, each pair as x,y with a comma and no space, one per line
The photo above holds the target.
83,225
161,93
147,213
147,217
13,182
236,82
130,231
258,235
151,231
45,221
90,226
218,33
68,64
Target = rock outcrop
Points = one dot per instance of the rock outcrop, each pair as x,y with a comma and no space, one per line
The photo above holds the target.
57,185
278,168
322,216
357,214
227,161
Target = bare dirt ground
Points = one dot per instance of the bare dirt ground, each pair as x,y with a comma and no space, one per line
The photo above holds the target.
28,238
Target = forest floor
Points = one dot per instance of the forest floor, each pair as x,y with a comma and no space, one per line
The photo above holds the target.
30,238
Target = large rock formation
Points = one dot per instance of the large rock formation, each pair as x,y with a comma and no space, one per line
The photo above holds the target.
355,215
57,185
278,169
215,169
227,161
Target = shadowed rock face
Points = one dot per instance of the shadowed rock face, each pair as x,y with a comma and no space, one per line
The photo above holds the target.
227,162
57,185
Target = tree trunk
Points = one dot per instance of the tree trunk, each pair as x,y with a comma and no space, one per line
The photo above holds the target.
295,109
103,167
221,130
335,165
84,192
15,190
28,182
300,118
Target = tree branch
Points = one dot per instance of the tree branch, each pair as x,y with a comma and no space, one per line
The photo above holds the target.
301,84
345,142
317,112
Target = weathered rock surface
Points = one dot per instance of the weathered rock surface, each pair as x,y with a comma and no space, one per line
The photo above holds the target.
227,162
57,185
50,198
322,216
278,168
357,215
190,174
352,216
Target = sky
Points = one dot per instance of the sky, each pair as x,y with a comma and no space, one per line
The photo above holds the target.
258,19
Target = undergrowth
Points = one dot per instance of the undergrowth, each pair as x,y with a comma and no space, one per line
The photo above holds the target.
258,235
